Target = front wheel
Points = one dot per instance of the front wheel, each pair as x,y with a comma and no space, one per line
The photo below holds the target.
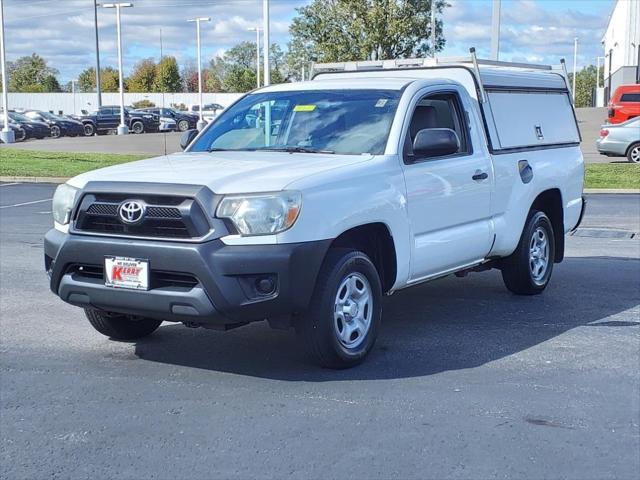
121,327
342,322
633,155
137,127
183,125
528,269
89,129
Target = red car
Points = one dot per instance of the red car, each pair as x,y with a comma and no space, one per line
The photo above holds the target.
625,103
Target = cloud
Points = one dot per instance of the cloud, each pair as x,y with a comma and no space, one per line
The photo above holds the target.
62,30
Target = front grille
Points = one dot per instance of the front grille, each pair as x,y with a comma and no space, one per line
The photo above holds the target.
157,278
165,217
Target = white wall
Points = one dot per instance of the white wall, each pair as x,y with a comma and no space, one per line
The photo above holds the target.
88,101
622,37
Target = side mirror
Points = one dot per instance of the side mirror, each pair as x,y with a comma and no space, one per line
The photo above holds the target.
435,142
187,137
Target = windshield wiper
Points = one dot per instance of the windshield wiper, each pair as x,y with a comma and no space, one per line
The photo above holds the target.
216,149
296,150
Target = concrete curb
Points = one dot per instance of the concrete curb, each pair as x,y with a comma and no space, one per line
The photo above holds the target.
590,191
624,191
33,179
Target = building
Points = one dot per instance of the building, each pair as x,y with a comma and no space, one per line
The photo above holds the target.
621,43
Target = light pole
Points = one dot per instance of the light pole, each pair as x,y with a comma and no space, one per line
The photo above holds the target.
433,27
267,44
575,66
95,23
201,123
257,30
73,94
122,128
495,30
6,135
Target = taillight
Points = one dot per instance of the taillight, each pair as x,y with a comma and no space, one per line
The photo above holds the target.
604,132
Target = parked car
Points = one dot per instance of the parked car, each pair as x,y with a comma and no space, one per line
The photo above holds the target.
32,128
209,110
624,104
59,125
107,119
372,182
621,140
184,121
18,132
167,125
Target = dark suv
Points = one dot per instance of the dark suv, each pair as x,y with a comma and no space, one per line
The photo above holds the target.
107,118
184,121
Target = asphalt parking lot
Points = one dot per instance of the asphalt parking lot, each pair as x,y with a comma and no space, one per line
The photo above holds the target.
466,380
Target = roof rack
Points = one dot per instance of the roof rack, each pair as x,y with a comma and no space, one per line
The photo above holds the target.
411,63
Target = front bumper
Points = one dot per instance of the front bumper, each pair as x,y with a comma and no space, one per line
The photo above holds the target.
225,293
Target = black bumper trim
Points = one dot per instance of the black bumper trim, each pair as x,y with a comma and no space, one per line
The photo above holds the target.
225,274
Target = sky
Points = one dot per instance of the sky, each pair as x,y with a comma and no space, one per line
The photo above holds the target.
62,31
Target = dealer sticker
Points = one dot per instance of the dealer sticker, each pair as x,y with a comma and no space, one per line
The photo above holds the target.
123,272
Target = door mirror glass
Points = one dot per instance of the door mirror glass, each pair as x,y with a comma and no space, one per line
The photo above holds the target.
187,138
435,142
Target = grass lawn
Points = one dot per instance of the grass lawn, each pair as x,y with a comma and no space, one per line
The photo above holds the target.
27,163
613,175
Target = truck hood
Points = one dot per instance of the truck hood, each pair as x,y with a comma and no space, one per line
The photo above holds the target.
223,172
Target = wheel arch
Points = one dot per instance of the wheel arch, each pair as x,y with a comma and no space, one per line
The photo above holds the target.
375,240
550,202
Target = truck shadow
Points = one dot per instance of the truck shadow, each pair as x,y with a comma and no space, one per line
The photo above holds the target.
445,325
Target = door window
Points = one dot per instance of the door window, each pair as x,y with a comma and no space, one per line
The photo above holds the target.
442,110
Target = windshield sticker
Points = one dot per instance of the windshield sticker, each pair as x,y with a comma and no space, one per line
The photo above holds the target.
304,108
381,103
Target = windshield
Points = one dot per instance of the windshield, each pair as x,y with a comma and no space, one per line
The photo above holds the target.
18,117
49,116
349,122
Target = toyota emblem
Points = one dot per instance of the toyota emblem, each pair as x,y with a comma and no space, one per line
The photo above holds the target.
131,212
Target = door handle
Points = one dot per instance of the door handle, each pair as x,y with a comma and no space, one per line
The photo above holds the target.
480,175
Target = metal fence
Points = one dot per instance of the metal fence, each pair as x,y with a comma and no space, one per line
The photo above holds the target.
70,103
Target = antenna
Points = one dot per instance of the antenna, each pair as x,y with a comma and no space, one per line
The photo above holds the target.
164,134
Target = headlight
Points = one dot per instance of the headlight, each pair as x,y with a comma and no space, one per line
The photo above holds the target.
63,201
262,214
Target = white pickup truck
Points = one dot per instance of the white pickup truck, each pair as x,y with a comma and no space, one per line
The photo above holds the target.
304,203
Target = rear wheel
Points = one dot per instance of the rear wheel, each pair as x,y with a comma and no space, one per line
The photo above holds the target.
89,130
528,269
55,131
633,154
342,323
137,127
121,327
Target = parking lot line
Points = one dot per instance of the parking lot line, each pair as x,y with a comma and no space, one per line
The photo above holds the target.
26,203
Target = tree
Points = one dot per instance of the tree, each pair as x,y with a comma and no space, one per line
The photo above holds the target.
168,76
143,104
235,71
108,80
585,85
347,30
31,74
143,77
190,77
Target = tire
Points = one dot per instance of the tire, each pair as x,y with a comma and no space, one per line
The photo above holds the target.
528,269
183,125
121,327
20,135
55,131
89,130
334,338
137,127
633,154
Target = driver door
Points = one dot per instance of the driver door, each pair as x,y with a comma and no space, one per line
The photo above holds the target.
448,197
